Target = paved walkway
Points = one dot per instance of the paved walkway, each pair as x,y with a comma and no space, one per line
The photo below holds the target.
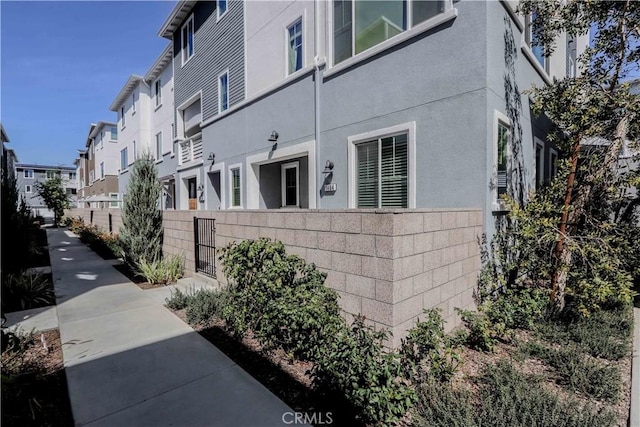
130,362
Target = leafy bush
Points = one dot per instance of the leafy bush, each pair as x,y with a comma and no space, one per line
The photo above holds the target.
163,271
506,398
279,297
355,365
518,308
483,333
427,349
579,373
606,333
25,291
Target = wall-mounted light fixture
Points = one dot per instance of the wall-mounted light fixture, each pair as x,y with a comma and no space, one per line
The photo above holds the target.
274,138
328,167
212,157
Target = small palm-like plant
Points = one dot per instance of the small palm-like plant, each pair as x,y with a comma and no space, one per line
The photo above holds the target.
24,291
161,272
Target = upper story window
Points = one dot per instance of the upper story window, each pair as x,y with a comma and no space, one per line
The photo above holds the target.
135,152
534,42
101,170
114,133
27,189
223,91
159,146
72,175
360,24
123,159
123,118
294,46
222,8
133,102
158,92
553,163
187,40
52,174
28,173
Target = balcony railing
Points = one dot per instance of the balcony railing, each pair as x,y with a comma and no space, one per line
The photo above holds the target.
190,150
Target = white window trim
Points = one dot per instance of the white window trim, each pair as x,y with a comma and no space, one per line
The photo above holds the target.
179,125
183,53
24,174
126,166
220,16
117,206
283,168
230,169
410,129
301,19
449,14
28,189
304,149
552,151
220,110
528,52
223,189
497,205
133,103
158,155
538,168
123,120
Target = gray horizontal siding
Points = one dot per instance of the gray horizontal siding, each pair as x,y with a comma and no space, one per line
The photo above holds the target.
218,46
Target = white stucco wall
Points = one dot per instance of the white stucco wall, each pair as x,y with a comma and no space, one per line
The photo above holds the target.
266,40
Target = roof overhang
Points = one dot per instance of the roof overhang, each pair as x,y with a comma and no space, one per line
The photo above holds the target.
160,63
13,154
175,18
128,87
3,134
91,127
98,127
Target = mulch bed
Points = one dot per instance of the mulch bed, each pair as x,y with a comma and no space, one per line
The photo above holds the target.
284,377
36,395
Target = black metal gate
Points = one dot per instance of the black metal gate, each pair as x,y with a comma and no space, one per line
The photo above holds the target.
204,237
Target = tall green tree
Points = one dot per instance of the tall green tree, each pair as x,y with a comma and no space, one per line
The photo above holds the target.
16,228
595,105
141,231
54,196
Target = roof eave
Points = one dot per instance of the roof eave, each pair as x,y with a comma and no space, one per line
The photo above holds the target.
130,84
160,63
175,18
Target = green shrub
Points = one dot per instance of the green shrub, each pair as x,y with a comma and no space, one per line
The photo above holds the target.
205,305
25,291
483,333
427,349
178,300
279,297
606,333
355,365
505,398
141,231
518,308
577,372
161,272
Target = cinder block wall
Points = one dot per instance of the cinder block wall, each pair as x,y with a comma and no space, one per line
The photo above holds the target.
386,264
99,217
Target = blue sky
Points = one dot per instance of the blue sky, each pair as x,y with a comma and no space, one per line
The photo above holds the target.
63,63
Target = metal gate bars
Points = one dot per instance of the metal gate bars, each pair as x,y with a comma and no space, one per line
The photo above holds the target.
204,237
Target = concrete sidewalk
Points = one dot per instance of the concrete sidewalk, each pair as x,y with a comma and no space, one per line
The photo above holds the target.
130,362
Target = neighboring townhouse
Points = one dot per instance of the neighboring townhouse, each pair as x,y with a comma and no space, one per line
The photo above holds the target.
9,158
99,162
144,107
359,104
29,175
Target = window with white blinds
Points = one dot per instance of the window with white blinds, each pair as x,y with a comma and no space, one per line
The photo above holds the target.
382,171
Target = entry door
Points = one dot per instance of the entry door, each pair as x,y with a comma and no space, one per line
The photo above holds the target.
193,194
290,181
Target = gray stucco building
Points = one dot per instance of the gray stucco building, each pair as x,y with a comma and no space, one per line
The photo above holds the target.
29,175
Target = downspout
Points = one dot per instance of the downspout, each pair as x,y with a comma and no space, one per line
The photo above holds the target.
317,75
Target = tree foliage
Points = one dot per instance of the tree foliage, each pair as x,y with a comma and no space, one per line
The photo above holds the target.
595,114
17,230
54,196
141,232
